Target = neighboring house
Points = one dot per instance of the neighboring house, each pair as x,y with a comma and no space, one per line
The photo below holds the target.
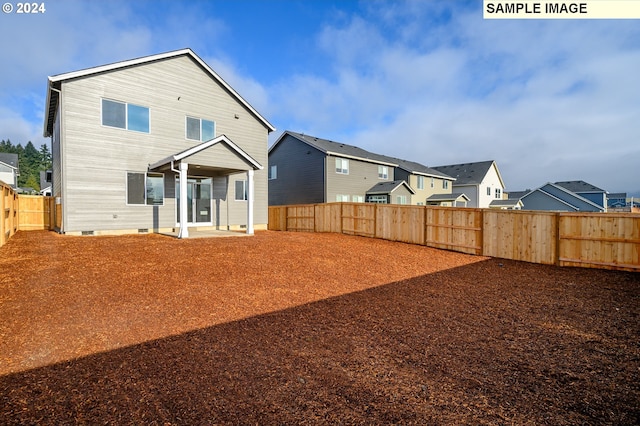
427,183
617,200
9,170
305,169
481,182
448,200
395,192
586,190
552,197
507,204
45,182
154,144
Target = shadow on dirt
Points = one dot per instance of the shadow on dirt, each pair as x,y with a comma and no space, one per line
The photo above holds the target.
475,344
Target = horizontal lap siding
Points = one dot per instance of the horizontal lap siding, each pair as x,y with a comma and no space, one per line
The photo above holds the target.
362,177
96,158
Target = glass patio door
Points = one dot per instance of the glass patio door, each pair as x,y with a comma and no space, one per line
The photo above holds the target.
198,201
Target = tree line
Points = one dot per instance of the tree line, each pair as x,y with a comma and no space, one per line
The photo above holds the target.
30,162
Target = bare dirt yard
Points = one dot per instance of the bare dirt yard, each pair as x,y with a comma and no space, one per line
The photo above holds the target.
297,328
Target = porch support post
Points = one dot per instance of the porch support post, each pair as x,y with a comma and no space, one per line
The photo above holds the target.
250,197
184,230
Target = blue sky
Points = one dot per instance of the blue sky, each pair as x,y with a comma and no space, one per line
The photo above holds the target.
428,81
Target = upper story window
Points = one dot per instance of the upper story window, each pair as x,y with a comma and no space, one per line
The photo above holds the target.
445,184
383,172
199,129
420,182
273,172
342,166
498,193
125,116
488,190
432,182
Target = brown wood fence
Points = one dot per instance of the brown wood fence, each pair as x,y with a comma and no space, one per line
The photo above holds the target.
594,240
8,212
23,212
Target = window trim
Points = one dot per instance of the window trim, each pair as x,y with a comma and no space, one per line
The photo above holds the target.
445,184
420,182
343,162
146,177
339,198
272,169
126,116
200,136
244,187
383,172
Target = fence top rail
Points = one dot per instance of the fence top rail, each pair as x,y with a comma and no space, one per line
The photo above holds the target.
594,214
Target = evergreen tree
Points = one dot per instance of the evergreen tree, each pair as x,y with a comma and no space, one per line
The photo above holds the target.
30,162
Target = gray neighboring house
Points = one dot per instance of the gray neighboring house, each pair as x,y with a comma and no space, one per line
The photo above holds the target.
45,182
155,144
9,170
305,169
481,182
586,190
553,197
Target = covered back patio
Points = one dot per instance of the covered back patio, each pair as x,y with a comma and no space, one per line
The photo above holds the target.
203,174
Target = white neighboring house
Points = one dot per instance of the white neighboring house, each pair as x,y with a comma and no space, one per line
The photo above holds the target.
481,182
9,171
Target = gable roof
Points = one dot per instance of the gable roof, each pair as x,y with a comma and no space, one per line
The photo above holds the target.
544,189
338,149
578,186
388,187
53,89
200,147
9,159
511,202
350,151
448,197
516,195
419,169
469,173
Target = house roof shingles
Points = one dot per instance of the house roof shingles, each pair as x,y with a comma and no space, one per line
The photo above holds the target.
578,186
331,147
467,173
388,187
9,159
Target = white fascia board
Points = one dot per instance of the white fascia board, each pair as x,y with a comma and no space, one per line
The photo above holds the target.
366,160
145,59
194,150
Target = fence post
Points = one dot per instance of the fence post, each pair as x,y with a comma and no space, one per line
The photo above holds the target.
2,213
481,242
557,230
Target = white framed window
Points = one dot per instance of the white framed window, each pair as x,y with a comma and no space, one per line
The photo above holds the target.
420,183
241,190
383,172
145,189
401,199
342,166
125,116
432,182
379,199
445,184
420,204
199,129
357,198
273,172
488,190
498,193
342,198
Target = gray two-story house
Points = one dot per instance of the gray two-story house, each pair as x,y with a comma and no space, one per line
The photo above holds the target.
305,169
155,144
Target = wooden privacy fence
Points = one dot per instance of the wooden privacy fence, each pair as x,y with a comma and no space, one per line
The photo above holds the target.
8,212
23,212
594,240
